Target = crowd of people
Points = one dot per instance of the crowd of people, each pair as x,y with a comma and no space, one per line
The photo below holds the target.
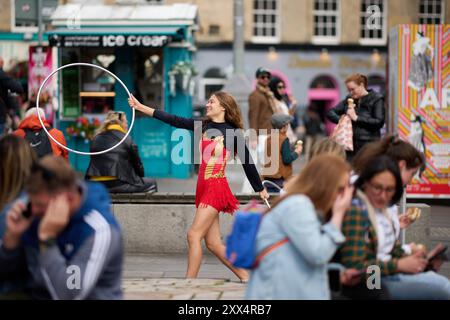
341,209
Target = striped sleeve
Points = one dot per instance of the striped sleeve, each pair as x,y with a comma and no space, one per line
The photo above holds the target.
77,278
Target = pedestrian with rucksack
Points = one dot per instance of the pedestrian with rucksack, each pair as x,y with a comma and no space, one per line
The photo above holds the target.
300,234
31,129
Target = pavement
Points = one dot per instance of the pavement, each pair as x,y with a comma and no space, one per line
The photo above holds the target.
162,277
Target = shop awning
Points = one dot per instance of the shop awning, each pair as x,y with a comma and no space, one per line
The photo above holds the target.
167,31
85,15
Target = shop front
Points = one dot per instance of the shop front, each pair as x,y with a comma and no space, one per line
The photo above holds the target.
141,45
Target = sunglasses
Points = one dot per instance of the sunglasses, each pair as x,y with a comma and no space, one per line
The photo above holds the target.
264,77
281,87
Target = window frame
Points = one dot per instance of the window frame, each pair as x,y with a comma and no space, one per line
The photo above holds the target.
276,25
328,39
434,15
203,82
383,39
22,29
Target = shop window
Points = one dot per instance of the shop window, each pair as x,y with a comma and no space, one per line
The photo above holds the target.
327,19
373,18
323,82
214,30
214,79
266,21
377,83
431,12
149,77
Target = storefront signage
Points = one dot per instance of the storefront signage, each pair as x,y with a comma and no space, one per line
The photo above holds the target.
108,41
343,63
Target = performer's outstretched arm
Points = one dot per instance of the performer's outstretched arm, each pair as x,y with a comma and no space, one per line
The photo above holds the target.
178,122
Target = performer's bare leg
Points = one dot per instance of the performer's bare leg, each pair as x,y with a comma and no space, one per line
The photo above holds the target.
204,218
215,245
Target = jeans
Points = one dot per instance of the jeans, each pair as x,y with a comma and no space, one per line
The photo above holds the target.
2,128
422,286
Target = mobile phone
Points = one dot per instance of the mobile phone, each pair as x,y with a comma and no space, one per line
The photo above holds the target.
334,280
27,212
437,251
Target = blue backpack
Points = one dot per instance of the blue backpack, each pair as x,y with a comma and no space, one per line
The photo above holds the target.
242,239
241,243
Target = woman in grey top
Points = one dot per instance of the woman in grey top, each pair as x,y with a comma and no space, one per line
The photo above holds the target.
309,215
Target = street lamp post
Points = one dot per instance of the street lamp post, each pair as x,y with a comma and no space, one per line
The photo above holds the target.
238,85
39,9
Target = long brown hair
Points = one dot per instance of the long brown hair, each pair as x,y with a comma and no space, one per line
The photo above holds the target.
393,147
16,161
319,180
233,113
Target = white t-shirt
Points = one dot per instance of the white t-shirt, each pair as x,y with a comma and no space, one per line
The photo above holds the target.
386,235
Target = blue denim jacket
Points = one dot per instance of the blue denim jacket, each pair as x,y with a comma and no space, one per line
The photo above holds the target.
298,269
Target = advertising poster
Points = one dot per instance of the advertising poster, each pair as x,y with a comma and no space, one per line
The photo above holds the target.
420,93
40,66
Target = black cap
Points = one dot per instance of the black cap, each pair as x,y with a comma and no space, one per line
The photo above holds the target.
261,70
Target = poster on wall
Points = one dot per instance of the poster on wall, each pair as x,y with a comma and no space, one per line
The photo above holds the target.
420,92
40,66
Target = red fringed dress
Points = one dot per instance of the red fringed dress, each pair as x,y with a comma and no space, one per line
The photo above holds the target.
217,140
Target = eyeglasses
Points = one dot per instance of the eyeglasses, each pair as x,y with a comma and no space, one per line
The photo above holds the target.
264,77
380,189
281,87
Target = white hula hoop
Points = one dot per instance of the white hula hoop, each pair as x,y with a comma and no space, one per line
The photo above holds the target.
60,144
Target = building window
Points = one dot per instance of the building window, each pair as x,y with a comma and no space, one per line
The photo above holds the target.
266,24
214,30
431,12
214,79
373,22
326,21
24,14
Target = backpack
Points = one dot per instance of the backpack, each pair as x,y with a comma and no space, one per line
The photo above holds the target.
39,142
241,243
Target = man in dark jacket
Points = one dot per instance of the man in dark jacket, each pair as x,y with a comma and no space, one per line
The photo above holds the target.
368,116
7,85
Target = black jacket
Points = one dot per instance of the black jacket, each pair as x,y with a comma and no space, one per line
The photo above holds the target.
371,116
122,162
7,84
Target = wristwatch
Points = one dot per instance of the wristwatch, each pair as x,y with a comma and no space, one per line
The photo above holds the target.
47,243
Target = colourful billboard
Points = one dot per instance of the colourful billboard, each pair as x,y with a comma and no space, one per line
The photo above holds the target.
419,80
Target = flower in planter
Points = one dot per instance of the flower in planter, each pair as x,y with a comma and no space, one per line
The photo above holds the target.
83,128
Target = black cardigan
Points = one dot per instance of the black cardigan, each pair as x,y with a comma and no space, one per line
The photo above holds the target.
232,139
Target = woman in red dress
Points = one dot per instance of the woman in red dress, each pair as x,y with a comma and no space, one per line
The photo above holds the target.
220,141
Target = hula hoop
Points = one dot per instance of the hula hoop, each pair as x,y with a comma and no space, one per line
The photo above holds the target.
60,144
